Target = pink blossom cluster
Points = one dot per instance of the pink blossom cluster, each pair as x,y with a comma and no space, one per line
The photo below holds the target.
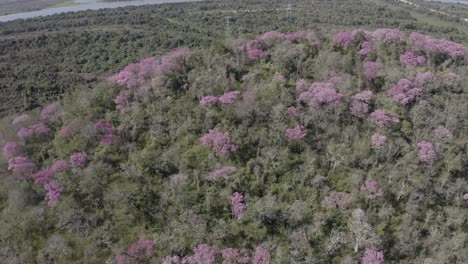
205,253
11,149
296,133
303,84
256,48
346,39
380,118
218,141
292,111
227,98
388,35
78,159
21,165
107,132
50,112
65,132
338,200
44,178
373,257
372,188
360,103
409,58
238,205
366,48
20,119
33,130
209,100
426,152
134,75
319,94
278,77
142,249
442,134
437,46
222,173
423,78
59,166
261,256
54,192
378,140
121,100
405,91
371,69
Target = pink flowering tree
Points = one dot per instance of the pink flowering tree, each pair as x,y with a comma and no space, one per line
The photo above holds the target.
296,133
372,188
388,36
261,256
229,97
292,111
426,152
378,140
50,113
373,257
434,46
207,100
360,103
321,94
36,131
78,159
205,253
366,48
134,75
106,131
410,59
371,68
219,142
345,39
54,192
303,84
238,205
65,132
381,119
21,165
423,78
59,166
278,77
405,92
142,249
11,149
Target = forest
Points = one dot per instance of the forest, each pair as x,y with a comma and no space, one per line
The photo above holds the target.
43,58
235,132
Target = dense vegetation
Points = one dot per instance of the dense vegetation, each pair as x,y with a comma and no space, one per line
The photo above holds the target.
43,58
15,6
280,148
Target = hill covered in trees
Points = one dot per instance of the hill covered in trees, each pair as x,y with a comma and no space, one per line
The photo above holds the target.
298,147
44,58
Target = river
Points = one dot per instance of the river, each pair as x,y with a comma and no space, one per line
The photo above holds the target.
85,5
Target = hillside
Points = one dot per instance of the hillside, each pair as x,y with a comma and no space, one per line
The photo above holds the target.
298,147
42,59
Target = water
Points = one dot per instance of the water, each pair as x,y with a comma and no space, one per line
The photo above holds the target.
85,5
